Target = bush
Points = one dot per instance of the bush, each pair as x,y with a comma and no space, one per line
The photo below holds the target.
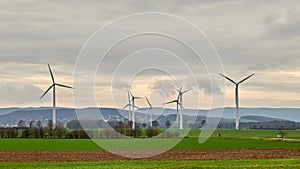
151,132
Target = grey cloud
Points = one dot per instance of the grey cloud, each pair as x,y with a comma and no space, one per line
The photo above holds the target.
204,85
20,94
279,86
282,26
164,86
120,85
247,36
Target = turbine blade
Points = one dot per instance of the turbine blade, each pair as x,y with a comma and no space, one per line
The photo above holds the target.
128,96
179,90
130,93
126,106
148,101
245,78
173,101
136,107
148,110
64,86
137,97
227,78
184,109
51,73
178,96
186,91
46,91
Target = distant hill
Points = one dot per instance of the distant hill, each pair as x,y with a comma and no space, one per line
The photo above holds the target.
13,115
292,114
260,118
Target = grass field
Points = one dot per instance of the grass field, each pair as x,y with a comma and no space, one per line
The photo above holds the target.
265,163
229,139
86,144
248,133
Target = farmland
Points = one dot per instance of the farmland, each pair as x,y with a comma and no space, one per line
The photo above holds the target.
228,139
265,163
257,148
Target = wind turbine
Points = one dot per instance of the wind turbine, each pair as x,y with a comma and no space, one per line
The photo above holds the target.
54,98
177,109
236,97
129,105
132,105
180,92
150,107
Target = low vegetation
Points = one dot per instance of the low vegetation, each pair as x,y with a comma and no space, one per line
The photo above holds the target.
265,163
228,139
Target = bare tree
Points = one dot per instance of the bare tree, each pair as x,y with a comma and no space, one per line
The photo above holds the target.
21,124
59,129
203,123
168,123
155,124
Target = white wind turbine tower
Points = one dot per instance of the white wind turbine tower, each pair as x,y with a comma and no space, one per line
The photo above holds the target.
149,109
236,97
54,98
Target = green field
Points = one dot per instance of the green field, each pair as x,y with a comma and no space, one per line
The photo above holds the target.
248,133
270,163
229,139
86,144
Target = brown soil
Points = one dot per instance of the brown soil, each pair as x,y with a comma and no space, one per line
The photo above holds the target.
178,154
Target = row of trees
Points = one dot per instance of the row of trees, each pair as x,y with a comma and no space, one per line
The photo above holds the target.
76,124
120,130
269,125
34,131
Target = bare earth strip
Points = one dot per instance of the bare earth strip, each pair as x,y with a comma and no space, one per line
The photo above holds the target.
177,154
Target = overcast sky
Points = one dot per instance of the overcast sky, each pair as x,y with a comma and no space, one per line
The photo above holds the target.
261,37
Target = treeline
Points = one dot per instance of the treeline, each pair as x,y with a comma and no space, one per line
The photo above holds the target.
120,130
272,125
91,124
35,130
26,132
279,125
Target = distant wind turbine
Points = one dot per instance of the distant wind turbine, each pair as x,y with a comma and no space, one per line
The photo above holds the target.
132,105
177,109
179,103
129,105
180,92
236,97
54,98
149,109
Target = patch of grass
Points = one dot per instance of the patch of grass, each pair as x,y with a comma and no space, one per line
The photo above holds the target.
247,133
47,144
266,163
186,143
229,139
228,142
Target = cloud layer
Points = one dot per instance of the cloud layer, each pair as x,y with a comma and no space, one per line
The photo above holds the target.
250,36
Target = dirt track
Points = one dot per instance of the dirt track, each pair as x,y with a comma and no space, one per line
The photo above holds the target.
184,154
